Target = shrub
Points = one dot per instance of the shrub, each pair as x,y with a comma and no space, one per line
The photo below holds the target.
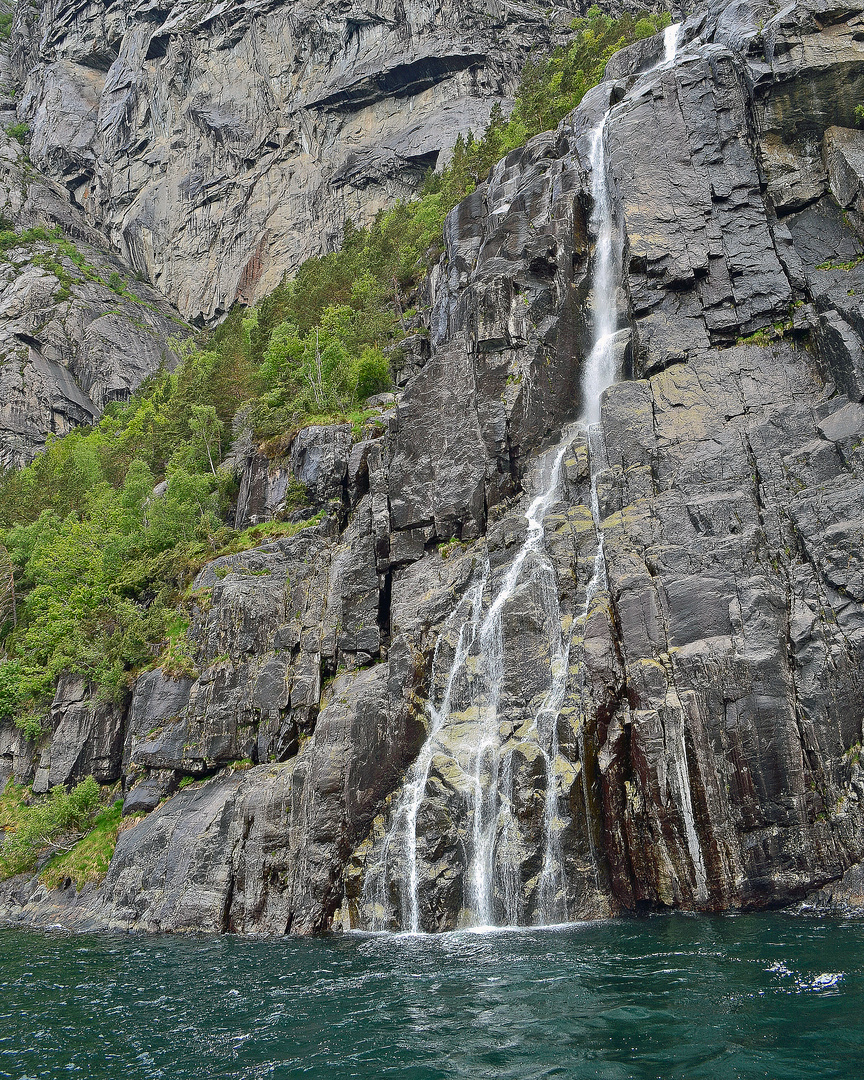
18,132
88,860
38,825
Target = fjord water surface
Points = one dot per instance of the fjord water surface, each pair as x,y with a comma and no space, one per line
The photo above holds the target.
677,998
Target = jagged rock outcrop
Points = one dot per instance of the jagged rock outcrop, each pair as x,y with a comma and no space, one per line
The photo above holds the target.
693,617
220,146
77,330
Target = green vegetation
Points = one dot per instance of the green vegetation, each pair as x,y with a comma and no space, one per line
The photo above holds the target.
767,335
9,239
88,860
50,260
35,824
6,20
550,87
450,547
101,564
834,265
18,132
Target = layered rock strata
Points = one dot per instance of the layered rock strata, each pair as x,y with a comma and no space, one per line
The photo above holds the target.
707,743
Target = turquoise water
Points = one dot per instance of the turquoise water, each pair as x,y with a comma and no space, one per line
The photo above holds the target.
676,997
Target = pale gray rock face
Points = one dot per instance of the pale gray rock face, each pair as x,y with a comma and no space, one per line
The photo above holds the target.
69,343
218,147
710,720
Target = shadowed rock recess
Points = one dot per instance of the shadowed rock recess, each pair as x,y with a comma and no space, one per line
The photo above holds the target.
631,677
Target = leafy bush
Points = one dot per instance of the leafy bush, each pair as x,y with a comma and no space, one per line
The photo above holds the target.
18,132
34,826
88,860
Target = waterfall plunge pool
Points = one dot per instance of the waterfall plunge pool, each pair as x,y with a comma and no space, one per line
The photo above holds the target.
671,997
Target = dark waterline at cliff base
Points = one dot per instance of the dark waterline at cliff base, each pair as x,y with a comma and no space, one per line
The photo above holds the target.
715,998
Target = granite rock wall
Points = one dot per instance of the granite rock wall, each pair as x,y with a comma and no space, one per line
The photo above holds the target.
709,734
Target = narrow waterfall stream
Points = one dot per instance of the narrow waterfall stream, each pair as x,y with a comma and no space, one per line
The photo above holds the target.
462,788
671,39
465,719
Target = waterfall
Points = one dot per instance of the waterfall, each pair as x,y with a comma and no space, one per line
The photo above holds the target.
467,735
671,37
600,372
466,616
600,367
471,675
492,815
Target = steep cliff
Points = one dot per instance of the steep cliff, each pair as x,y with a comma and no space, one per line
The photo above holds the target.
77,330
522,670
208,151
219,146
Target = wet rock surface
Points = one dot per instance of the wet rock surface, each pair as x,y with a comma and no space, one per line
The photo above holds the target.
699,630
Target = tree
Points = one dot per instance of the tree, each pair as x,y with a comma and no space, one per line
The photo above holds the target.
207,428
8,603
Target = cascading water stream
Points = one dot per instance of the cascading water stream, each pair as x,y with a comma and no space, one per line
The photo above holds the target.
473,684
600,372
467,633
491,814
600,367
466,615
671,38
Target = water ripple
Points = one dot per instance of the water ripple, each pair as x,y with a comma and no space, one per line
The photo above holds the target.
671,998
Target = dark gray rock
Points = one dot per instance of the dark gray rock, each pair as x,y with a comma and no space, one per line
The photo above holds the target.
263,490
17,755
148,792
708,702
844,162
319,461
86,740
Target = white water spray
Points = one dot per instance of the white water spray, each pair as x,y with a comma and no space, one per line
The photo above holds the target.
491,814
600,372
601,367
671,38
466,615
471,694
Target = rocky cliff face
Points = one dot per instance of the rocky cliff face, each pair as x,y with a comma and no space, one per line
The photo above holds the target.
219,146
77,329
653,701
207,152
